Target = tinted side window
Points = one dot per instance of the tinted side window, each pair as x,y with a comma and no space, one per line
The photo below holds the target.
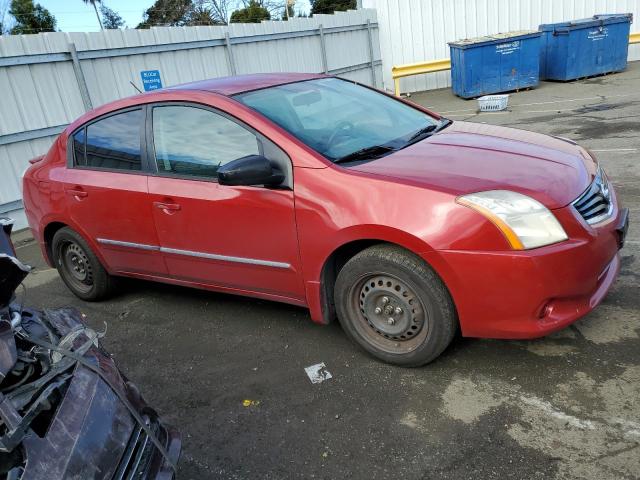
78,148
194,141
114,142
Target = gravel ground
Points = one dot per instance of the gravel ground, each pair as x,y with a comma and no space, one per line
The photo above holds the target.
567,406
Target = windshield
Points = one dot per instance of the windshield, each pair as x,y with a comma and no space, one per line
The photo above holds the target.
340,119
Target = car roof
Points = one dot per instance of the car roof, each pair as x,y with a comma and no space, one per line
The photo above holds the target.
226,86
244,83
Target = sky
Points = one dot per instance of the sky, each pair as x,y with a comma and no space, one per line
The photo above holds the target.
76,16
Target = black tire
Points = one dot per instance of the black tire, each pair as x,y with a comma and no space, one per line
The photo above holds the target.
79,267
392,304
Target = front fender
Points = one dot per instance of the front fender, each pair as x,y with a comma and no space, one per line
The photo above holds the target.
372,234
336,206
319,293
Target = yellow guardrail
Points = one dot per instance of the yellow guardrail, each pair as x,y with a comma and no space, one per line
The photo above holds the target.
416,69
399,71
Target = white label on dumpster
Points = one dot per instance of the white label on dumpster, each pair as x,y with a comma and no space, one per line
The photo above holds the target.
508,48
598,34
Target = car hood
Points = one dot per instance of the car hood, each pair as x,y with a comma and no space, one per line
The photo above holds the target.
471,157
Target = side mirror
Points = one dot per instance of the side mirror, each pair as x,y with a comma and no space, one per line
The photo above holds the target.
250,170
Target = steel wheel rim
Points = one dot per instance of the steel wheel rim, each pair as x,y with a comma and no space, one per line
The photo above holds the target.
77,266
389,314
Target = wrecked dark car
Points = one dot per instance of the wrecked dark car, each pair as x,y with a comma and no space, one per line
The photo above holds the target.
65,409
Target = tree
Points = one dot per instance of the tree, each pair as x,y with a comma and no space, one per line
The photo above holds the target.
186,12
254,12
167,13
330,6
93,2
31,18
275,7
288,12
208,12
201,15
111,20
219,9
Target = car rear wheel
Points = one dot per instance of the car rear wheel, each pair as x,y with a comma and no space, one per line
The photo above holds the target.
392,304
79,267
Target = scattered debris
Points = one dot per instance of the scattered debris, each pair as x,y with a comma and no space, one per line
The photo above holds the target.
318,373
53,372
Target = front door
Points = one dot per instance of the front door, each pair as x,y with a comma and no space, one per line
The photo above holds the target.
106,192
240,238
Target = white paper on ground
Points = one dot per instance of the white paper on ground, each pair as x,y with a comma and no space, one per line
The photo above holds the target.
318,373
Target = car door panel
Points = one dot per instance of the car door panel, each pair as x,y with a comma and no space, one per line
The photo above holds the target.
106,193
236,237
114,212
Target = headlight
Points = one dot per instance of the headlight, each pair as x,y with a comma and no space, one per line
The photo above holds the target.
525,222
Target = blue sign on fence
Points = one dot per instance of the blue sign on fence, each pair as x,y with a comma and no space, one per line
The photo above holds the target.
151,80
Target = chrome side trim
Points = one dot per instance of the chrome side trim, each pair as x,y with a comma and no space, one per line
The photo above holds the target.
119,243
225,258
190,253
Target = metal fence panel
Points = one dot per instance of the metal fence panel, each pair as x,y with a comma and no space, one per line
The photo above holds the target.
418,30
42,90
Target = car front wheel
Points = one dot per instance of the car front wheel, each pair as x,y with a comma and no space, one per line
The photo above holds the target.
79,267
392,304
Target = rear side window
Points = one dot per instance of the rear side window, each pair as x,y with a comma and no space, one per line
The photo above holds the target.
112,143
78,147
195,142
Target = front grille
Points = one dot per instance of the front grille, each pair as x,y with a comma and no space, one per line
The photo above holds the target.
595,203
138,454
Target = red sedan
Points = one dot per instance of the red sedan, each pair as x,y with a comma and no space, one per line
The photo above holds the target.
323,193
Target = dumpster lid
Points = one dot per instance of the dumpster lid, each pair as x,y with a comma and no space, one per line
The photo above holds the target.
494,39
595,21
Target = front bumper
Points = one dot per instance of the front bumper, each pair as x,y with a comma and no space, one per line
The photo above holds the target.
529,294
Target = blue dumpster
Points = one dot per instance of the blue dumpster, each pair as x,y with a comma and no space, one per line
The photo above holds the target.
496,63
583,48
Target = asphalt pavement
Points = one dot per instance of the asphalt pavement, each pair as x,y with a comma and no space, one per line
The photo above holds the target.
229,371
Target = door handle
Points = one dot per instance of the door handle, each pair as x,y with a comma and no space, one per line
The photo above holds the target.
167,207
74,192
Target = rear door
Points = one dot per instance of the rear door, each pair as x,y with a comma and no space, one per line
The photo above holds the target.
241,238
105,187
